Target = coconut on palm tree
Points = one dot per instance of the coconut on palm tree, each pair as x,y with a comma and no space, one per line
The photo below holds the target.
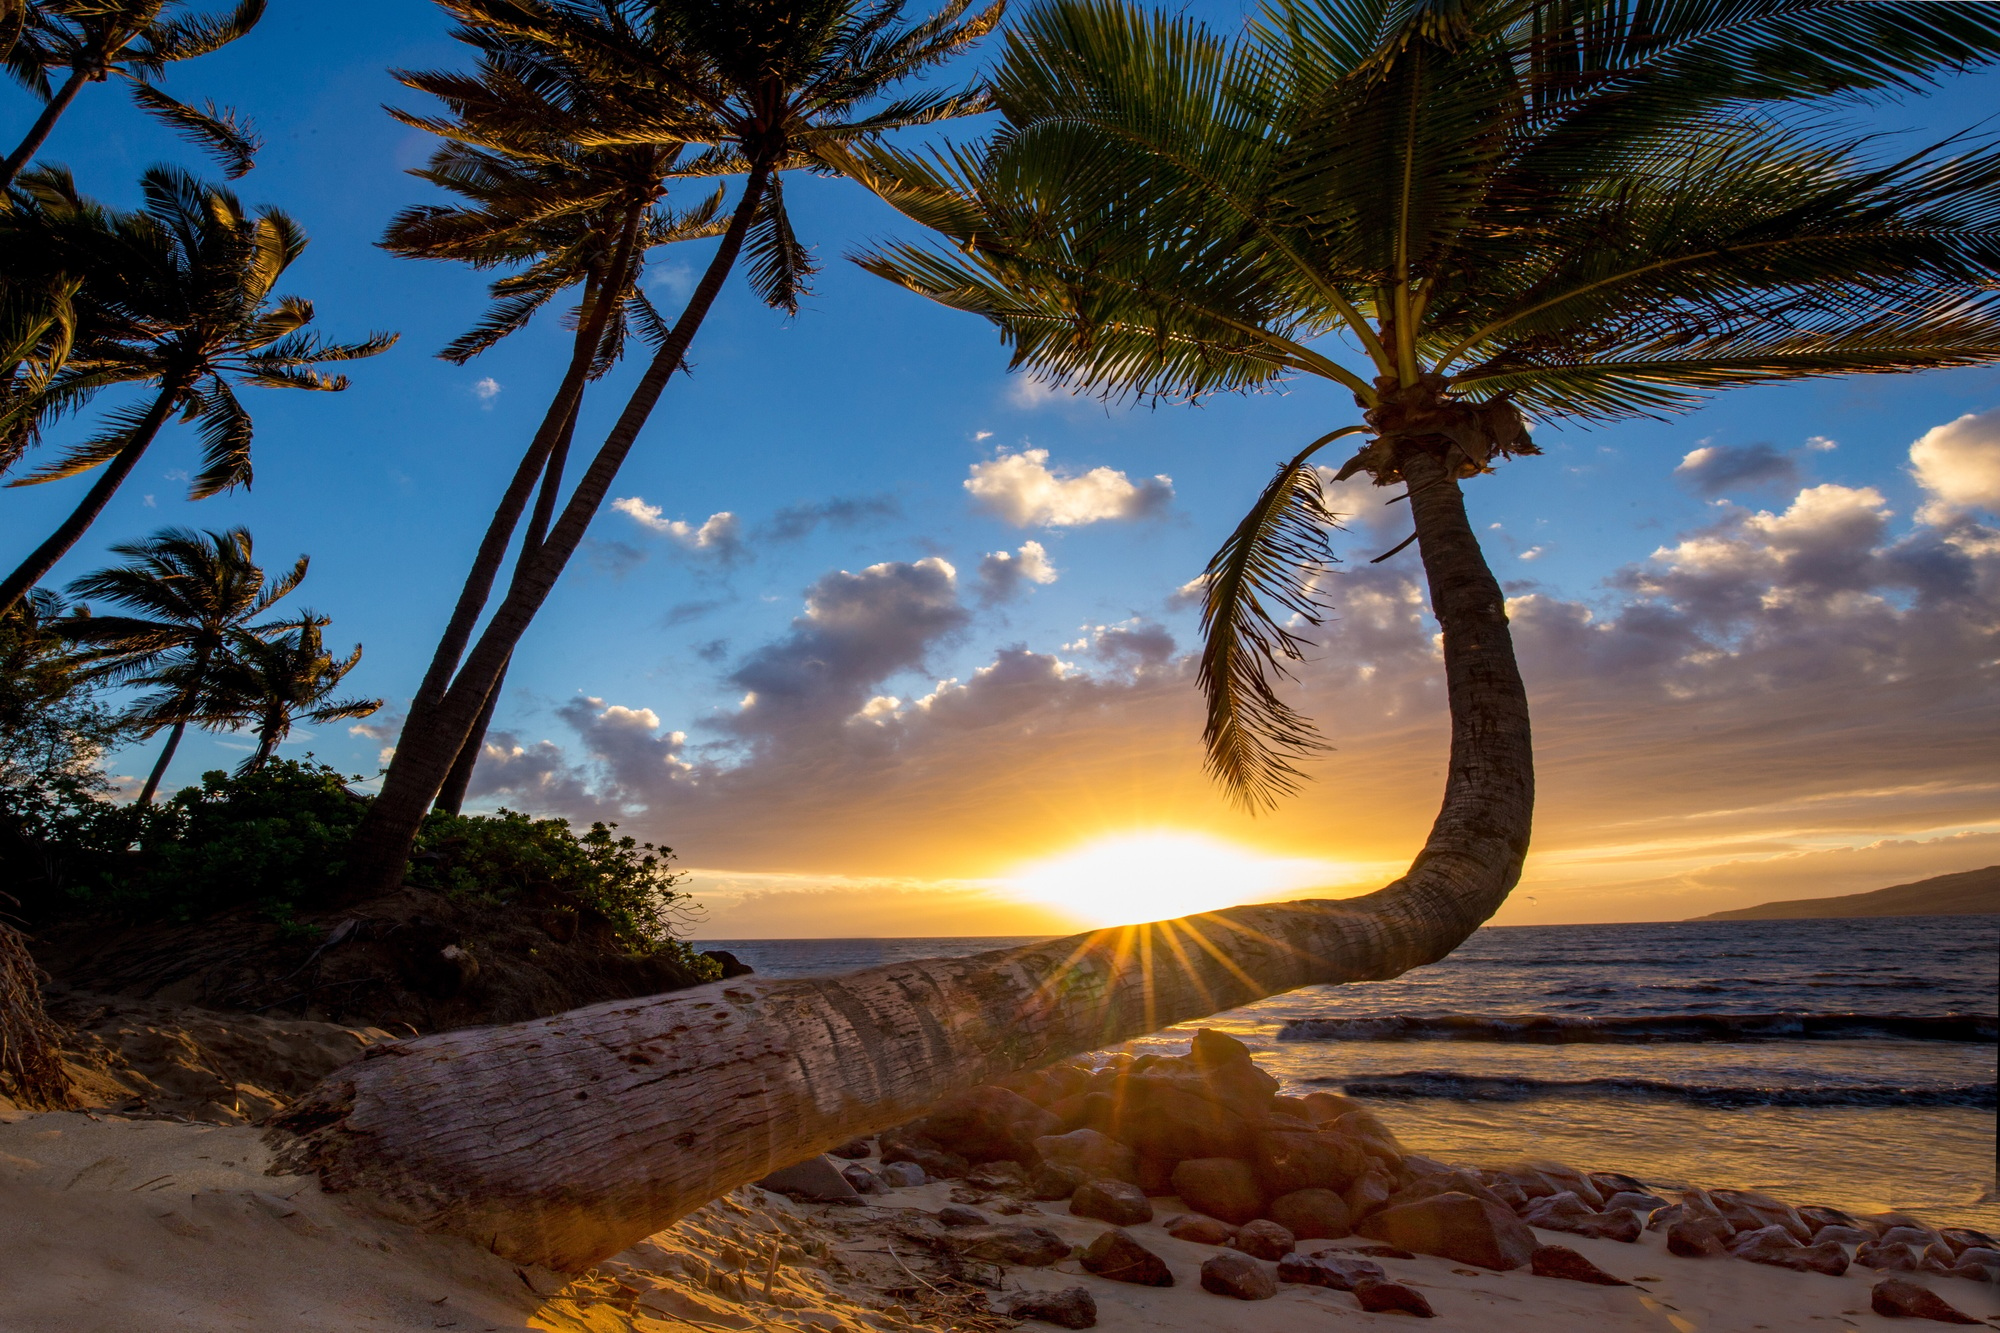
774,86
281,675
182,302
93,41
1581,210
187,599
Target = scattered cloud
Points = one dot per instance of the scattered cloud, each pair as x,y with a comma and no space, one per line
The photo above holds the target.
151,503
1715,469
1005,575
799,520
486,390
1023,490
981,435
383,727
1534,553
672,277
682,612
720,535
1958,464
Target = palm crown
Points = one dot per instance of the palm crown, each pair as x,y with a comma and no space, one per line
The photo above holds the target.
276,679
1460,212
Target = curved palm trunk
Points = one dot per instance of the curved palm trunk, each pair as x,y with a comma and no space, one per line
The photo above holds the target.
160,766
564,1140
38,133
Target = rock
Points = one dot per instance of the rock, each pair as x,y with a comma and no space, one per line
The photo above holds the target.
1447,1181
1748,1211
1817,1217
858,1148
1338,1271
1097,1155
1238,1275
1609,1183
1377,1296
958,1215
1567,1212
1263,1239
1893,1256
864,1181
1456,1226
1843,1235
1570,1179
1326,1107
1939,1258
1112,1201
1211,1049
1051,1182
1506,1189
997,1175
1179,1118
1919,1237
1222,1187
732,966
1295,1107
1156,1176
1552,1210
1200,1230
1698,1238
1774,1245
1965,1238
1367,1195
815,1178
899,1146
1118,1257
1978,1263
1081,1110
1900,1298
903,1175
1378,1251
987,1124
1563,1262
1312,1214
1072,1307
1046,1087
1287,1161
1030,1247
1638,1202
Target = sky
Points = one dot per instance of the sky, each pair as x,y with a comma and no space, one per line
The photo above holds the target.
883,640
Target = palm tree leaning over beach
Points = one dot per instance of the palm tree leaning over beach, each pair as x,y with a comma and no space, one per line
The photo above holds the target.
181,292
773,86
91,41
188,599
281,676
1581,210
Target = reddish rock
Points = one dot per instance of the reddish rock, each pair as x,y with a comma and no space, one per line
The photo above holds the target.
1569,1178
1211,1049
1222,1187
1749,1211
1238,1275
1030,1247
1506,1189
1326,1107
1118,1257
1563,1262
1287,1161
1082,1110
987,1124
1112,1201
1200,1230
1296,1125
958,1215
1844,1235
1774,1245
1450,1181
1965,1238
920,1150
1567,1212
1900,1298
1917,1237
1890,1256
1051,1182
1295,1107
1264,1239
864,1181
1338,1271
1097,1155
1072,1307
1046,1087
1177,1119
1978,1263
853,1150
1378,1296
1004,1174
1367,1195
1552,1211
1456,1226
1156,1176
1698,1238
1312,1214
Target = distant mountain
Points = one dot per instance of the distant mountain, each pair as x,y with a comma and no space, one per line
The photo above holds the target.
1967,893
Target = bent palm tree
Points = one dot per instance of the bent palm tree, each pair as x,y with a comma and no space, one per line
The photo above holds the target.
1562,207
281,676
95,40
189,597
183,291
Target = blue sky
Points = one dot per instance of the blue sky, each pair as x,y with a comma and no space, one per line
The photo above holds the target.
844,439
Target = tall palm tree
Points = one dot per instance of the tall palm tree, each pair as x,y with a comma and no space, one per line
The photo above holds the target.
91,41
1582,209
285,675
190,597
183,288
775,86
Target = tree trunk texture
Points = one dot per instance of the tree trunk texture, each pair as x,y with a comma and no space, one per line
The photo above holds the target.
38,133
160,768
564,1140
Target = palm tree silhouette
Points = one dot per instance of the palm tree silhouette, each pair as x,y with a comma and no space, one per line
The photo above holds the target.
91,41
189,597
281,676
180,295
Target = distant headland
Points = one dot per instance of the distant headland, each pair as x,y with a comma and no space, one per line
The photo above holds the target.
1967,893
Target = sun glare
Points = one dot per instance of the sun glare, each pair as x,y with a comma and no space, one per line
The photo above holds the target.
1150,876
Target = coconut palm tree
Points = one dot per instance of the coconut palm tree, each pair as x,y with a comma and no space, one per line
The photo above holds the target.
182,292
773,86
281,676
1503,205
188,597
92,41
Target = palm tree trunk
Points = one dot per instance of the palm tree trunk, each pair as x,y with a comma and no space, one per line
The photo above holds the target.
160,767
430,743
451,796
44,557
38,133
564,1140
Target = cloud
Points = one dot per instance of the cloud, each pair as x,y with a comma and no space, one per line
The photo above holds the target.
1958,464
720,535
799,520
1023,490
383,727
682,612
1715,469
486,390
1005,575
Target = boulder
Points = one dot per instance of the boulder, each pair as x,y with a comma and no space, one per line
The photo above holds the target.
1749,1211
1178,1118
1889,1256
1112,1201
1294,1107
1081,1110
1506,1189
1919,1237
1045,1087
1030,1247
1567,1212
1263,1239
1238,1275
1379,1296
1551,1211
1051,1182
937,1162
1563,1262
987,1124
1569,1178
1938,1258
1817,1217
1287,1161
1072,1307
1449,1181
1326,1107
1096,1154
1223,1187
1367,1194
1842,1234
864,1181
1456,1226
853,1150
1312,1214
1609,1183
1156,1176
1211,1049
1698,1238
958,1215
902,1175
1774,1245
815,1178
1978,1263
1118,1257
997,1175
1199,1230
1338,1271
1965,1238
1635,1200
1900,1298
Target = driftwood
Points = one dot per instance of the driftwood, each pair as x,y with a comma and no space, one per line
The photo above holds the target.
31,1066
563,1140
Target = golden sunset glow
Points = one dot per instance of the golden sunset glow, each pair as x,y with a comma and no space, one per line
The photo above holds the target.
1155,874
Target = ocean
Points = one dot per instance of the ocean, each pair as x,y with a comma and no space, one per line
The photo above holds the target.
1842,1062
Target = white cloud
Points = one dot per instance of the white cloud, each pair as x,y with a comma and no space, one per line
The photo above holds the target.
1959,465
1023,490
486,390
151,503
721,534
1532,553
1004,575
979,435
1029,393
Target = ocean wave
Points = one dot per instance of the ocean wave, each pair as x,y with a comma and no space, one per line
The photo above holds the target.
1446,1085
1557,1029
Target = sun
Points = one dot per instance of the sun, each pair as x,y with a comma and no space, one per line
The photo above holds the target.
1151,875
